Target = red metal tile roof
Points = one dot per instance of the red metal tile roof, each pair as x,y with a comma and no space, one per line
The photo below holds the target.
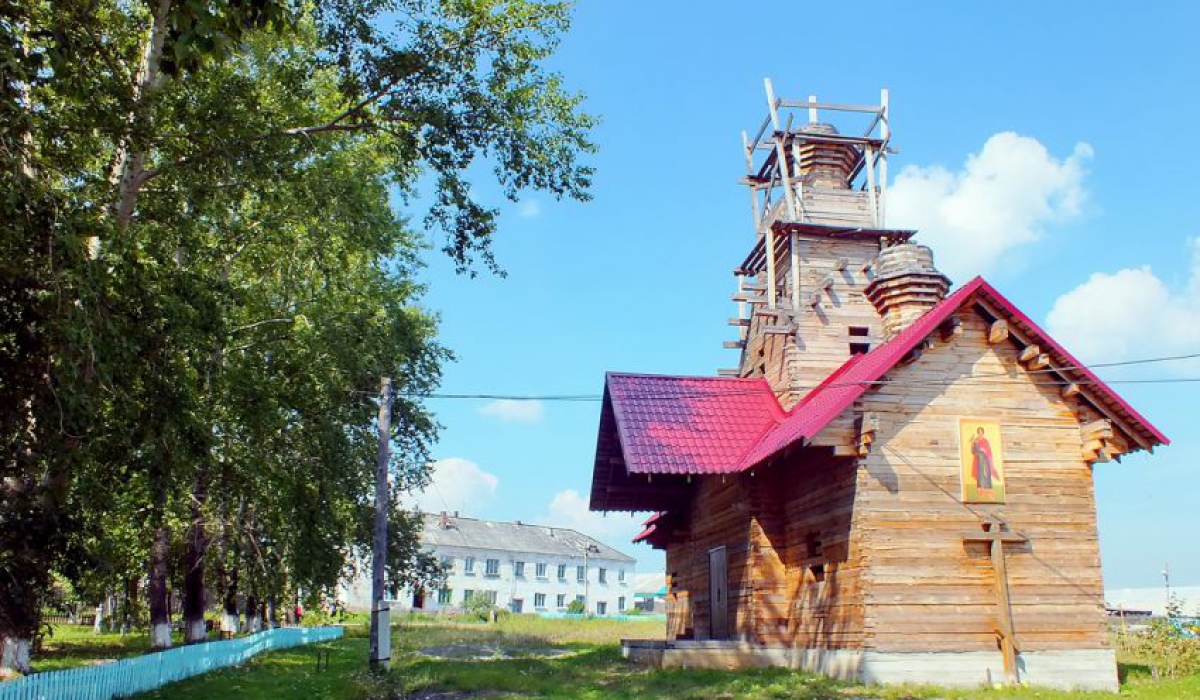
689,425
861,372
708,425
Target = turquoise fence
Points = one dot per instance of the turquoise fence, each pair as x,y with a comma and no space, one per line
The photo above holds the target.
149,671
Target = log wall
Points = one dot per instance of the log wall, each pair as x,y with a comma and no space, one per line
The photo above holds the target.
718,515
923,588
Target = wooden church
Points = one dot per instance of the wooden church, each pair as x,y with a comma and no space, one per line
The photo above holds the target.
895,484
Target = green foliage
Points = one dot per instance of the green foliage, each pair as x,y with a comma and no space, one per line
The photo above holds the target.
481,609
576,607
1163,648
202,275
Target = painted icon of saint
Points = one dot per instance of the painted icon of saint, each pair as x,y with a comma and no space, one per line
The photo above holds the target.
983,466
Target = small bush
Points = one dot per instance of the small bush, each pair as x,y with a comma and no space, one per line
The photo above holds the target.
1164,648
576,607
481,608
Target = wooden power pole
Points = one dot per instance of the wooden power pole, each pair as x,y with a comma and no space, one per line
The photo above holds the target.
381,639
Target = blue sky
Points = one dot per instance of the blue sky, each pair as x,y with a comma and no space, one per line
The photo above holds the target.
1048,145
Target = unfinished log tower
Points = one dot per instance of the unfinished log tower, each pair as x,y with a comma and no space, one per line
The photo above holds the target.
819,196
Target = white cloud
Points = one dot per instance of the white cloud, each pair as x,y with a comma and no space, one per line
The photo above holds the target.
511,410
570,509
1129,314
529,209
457,485
1003,197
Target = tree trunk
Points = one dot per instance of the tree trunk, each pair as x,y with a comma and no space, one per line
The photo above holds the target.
160,607
14,655
128,614
193,576
131,159
272,613
253,616
229,620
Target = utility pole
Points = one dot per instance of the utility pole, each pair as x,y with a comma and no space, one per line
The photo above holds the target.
381,628
1167,581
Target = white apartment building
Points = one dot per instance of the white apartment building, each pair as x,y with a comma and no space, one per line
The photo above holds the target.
516,566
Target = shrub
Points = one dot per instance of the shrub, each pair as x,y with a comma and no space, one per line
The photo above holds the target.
576,607
1165,649
481,608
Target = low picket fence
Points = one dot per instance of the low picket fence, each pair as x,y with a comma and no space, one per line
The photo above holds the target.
149,671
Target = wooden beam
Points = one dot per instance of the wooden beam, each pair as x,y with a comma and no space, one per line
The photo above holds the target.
952,328
1028,353
868,426
885,132
996,536
1071,389
998,332
770,241
794,245
1042,361
1101,428
1096,403
739,322
734,344
871,194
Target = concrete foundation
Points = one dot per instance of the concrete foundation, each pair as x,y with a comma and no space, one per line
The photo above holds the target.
1077,669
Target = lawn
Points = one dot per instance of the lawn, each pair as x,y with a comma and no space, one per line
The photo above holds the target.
552,659
69,646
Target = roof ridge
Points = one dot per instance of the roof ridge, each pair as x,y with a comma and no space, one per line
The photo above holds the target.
699,377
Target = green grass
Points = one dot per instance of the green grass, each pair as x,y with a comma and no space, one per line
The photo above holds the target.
69,646
594,669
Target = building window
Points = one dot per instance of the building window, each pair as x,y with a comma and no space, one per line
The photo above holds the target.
493,568
519,569
541,570
517,605
560,601
621,604
562,572
603,573
601,608
448,564
467,596
444,596
539,601
620,575
469,566
580,574
579,597
859,344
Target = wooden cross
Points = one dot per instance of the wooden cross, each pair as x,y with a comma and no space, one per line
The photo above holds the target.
995,533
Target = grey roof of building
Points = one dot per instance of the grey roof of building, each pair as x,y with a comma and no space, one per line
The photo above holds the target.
513,537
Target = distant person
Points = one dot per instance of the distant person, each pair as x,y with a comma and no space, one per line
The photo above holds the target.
299,613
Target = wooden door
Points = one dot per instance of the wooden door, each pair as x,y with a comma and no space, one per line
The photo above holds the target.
718,594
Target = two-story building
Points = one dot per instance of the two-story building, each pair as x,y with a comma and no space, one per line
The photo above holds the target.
517,566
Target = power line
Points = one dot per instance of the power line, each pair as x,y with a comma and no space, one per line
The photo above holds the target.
708,394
